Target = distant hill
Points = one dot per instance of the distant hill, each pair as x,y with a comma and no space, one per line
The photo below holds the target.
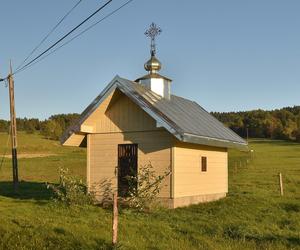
275,124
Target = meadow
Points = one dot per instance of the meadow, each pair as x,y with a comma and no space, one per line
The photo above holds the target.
252,216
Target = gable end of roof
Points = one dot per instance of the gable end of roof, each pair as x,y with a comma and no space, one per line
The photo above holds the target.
173,115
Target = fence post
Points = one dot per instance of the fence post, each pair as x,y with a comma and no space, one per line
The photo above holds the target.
115,219
280,184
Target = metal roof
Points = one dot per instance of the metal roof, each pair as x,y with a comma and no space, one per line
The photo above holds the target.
152,75
185,119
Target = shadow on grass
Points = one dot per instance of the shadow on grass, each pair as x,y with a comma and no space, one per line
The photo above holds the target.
103,244
27,190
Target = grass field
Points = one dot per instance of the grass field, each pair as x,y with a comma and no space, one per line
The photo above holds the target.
253,216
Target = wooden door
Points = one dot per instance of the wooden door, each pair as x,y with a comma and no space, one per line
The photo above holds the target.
127,167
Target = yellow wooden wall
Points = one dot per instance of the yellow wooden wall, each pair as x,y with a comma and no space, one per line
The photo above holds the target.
118,120
188,178
119,114
153,146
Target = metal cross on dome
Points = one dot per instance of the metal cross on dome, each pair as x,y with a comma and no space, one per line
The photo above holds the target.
153,32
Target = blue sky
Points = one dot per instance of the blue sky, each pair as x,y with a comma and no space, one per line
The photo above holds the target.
226,55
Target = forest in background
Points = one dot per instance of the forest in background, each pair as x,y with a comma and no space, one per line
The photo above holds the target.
275,124
51,128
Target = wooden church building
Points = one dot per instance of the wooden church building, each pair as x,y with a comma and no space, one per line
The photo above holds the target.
132,123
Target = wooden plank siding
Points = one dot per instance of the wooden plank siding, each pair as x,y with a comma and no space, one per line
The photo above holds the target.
75,140
119,114
189,180
88,160
118,120
154,147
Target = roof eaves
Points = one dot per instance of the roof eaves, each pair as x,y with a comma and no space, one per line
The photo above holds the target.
154,112
153,75
191,138
228,129
89,110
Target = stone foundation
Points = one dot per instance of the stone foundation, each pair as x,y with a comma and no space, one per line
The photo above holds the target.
189,200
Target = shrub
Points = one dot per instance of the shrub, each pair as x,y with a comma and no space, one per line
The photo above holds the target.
297,135
71,190
145,187
106,191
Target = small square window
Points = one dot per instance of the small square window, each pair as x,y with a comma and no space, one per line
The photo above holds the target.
204,164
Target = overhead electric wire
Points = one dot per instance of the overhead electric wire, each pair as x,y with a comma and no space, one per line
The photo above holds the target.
81,33
62,38
49,33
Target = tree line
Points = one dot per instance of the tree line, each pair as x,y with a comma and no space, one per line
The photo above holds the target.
51,128
275,124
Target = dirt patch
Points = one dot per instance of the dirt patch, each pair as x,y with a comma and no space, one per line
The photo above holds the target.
27,156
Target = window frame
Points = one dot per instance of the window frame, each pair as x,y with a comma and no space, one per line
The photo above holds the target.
203,164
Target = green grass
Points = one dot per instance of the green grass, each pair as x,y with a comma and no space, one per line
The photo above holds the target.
45,168
253,216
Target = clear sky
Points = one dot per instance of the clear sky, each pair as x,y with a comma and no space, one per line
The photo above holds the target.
226,55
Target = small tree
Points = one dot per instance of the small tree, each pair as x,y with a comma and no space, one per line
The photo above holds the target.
52,129
145,187
71,190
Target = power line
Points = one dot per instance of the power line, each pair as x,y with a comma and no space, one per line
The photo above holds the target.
66,35
49,33
73,38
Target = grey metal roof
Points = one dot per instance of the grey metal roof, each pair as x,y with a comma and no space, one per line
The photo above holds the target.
185,119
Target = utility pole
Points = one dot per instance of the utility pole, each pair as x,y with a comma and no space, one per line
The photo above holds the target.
13,129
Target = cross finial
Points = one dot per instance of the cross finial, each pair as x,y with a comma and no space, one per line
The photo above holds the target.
153,32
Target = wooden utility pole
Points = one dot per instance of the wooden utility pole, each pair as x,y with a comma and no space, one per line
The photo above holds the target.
115,219
13,129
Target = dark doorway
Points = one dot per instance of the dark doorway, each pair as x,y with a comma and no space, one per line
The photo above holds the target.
127,167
